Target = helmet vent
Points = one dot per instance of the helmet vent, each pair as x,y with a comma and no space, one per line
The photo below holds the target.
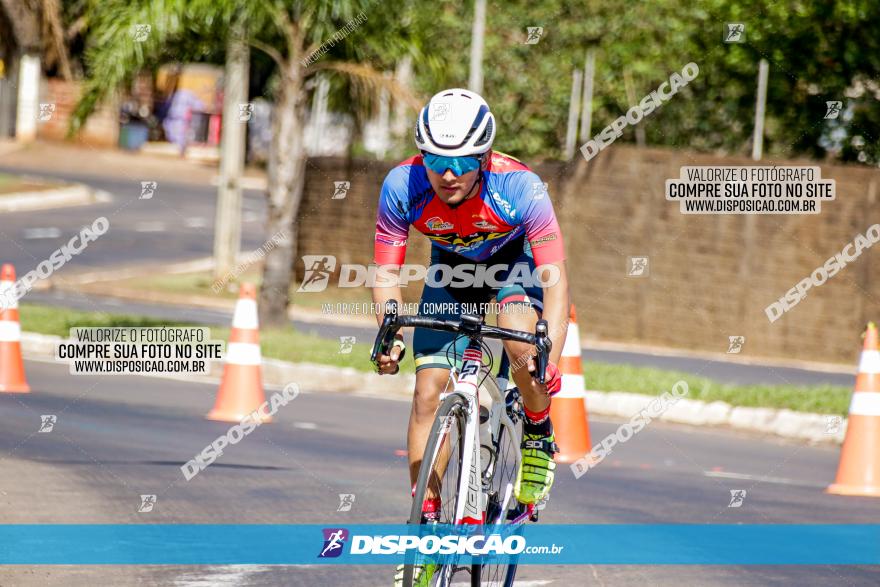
487,134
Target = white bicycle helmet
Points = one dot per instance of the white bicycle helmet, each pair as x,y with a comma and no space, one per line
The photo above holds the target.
455,123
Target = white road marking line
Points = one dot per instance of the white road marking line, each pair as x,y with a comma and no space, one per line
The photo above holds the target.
759,478
196,222
150,227
251,216
305,425
37,233
224,576
103,196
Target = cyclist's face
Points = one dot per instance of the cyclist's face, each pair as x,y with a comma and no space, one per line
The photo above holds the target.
451,188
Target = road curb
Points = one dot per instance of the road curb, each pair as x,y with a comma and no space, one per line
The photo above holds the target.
72,195
779,422
326,378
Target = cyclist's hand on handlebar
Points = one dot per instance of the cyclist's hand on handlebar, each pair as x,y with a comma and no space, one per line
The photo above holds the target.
389,364
552,377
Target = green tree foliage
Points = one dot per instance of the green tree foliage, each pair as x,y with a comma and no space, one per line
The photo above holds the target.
815,49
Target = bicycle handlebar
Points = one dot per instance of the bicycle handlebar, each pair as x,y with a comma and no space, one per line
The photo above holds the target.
470,325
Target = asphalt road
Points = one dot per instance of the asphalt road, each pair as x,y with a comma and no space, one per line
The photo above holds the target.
119,437
175,224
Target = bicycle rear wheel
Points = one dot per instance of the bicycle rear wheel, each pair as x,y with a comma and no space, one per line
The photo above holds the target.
439,476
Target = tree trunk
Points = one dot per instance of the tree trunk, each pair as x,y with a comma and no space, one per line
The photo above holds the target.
52,11
287,163
227,232
25,21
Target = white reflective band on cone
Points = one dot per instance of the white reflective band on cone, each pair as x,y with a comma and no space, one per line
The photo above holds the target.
865,403
10,331
572,387
243,353
572,346
870,362
245,315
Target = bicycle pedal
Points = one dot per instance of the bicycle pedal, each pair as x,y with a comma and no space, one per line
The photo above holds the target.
533,512
516,511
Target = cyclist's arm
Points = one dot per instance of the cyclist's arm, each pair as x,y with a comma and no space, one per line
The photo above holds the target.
545,238
389,244
556,311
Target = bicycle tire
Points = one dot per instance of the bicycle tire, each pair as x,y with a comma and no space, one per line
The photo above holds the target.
453,406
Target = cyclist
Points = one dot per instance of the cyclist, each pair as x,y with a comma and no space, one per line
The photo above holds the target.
478,207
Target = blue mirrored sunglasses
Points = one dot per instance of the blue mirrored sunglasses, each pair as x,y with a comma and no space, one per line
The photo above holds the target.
458,165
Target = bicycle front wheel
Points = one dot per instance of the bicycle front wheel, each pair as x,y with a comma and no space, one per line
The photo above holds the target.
502,505
439,476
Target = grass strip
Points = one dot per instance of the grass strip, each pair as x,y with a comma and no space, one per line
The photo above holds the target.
291,345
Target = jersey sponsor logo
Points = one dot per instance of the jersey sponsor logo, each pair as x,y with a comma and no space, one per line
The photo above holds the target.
510,235
484,224
387,240
504,204
458,243
437,223
500,160
504,163
543,240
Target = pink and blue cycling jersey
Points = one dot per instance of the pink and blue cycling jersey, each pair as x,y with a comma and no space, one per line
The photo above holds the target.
512,202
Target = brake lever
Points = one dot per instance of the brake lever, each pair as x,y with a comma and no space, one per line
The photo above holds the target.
387,332
543,344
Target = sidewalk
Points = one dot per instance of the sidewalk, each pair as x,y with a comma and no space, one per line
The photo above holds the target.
77,158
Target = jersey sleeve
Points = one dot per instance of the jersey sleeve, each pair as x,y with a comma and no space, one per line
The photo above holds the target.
392,223
539,219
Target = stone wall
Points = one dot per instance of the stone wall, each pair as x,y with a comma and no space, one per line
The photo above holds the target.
100,130
710,276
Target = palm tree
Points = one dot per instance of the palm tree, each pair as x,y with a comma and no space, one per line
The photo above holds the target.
294,34
42,27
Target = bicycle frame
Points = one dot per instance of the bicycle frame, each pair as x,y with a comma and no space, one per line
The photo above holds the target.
472,510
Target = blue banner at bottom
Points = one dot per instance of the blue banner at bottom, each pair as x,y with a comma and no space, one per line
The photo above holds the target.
568,544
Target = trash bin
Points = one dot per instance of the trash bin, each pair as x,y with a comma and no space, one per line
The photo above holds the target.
133,135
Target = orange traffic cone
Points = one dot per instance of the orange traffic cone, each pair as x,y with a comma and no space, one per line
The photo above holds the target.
568,411
241,389
859,470
12,378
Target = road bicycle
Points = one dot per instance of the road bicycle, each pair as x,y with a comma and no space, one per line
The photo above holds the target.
473,452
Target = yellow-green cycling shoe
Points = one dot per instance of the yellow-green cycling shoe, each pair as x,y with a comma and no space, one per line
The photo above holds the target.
421,575
536,469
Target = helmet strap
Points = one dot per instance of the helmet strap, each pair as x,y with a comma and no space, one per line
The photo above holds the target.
477,184
479,181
